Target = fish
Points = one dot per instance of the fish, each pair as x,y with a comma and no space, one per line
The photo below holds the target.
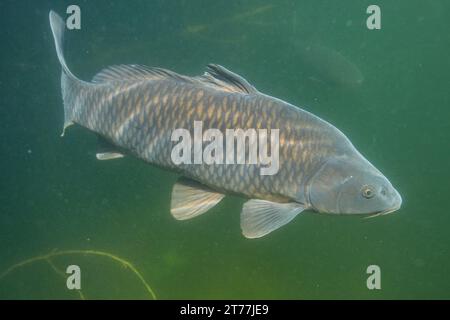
328,66
221,23
135,110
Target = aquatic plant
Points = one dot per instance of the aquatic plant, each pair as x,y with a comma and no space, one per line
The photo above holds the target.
48,258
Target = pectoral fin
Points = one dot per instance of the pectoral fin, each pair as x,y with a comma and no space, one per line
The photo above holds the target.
260,217
190,199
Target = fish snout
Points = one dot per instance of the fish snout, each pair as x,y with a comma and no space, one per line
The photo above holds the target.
396,200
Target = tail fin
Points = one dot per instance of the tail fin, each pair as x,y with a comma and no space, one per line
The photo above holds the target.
57,24
70,84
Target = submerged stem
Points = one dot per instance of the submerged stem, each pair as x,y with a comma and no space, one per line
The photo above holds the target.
47,257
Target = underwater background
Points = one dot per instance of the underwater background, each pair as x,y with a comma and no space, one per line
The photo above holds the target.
387,90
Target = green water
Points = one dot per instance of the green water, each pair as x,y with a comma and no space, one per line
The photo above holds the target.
56,196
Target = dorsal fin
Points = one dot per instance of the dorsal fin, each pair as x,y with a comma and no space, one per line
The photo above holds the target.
134,72
215,76
226,80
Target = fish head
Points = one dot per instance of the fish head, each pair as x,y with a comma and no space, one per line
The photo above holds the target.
352,185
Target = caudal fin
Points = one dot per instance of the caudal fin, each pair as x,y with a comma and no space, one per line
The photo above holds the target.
57,24
70,84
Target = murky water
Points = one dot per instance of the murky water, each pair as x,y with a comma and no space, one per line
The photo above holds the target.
387,90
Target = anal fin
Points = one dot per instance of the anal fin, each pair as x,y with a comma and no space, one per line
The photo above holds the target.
108,155
106,150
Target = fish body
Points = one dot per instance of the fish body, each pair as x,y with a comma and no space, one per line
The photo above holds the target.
328,66
137,109
139,115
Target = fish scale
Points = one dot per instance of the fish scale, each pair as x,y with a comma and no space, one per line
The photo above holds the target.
113,109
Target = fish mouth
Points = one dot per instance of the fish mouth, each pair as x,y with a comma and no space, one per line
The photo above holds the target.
383,212
398,204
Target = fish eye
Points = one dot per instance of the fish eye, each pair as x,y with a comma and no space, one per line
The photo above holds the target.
367,192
